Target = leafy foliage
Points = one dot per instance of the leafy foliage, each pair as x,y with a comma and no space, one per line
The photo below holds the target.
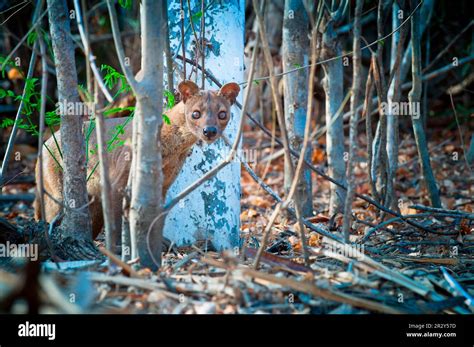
113,78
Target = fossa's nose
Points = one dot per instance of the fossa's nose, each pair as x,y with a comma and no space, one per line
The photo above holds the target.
210,132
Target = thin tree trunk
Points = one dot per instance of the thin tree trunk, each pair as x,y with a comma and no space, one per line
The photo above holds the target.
106,191
295,48
414,97
356,83
76,219
333,86
380,158
146,199
44,88
393,96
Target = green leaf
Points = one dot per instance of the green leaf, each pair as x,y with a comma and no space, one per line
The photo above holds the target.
166,119
127,4
102,21
4,63
170,100
7,122
197,16
30,40
119,109
52,118
112,79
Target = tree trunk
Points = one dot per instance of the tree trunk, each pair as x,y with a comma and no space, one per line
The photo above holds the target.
76,221
295,48
333,86
354,122
414,97
146,198
393,96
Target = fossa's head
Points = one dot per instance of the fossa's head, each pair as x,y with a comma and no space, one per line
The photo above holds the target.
207,112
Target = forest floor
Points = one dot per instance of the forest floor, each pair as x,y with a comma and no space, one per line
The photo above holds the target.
397,269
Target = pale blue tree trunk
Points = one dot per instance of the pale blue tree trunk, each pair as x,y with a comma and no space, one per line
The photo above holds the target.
393,95
295,47
213,210
333,86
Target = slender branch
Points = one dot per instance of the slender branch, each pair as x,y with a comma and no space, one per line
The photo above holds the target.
119,46
44,89
19,116
169,58
356,82
183,43
88,53
106,189
203,48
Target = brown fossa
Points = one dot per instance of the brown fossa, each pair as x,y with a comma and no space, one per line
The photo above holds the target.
200,115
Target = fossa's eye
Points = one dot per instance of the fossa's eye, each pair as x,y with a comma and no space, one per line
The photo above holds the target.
196,115
222,115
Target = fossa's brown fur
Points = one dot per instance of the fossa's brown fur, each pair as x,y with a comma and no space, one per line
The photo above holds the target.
201,115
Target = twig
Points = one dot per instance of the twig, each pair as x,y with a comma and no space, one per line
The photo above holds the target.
441,70
88,52
183,46
203,48
119,46
457,287
126,268
169,58
24,3
443,211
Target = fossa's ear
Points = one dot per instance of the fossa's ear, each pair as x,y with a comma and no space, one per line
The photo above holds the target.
230,91
188,89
